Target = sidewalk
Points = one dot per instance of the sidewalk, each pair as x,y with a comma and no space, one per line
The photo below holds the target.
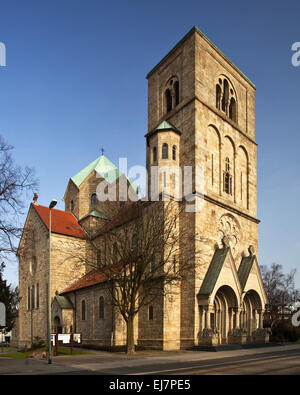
100,360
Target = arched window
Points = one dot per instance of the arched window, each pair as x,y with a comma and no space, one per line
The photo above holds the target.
94,199
227,178
225,95
150,313
101,307
164,152
37,295
176,91
171,93
174,152
168,100
218,96
232,109
32,297
226,98
154,154
83,310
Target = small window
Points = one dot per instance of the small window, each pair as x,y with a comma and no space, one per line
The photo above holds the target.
174,152
227,178
164,152
218,97
83,310
228,183
154,154
37,295
176,91
227,165
101,307
232,109
225,96
150,313
72,206
32,297
168,100
94,199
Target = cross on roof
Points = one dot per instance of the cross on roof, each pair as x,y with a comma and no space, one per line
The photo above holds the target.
102,151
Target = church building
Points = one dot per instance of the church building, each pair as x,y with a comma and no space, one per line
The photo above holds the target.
201,116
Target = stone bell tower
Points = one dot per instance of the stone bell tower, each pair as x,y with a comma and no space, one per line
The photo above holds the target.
202,104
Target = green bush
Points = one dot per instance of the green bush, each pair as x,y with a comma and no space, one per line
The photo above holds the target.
37,343
284,331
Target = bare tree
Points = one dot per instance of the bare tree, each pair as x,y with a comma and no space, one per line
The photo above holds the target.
144,253
280,290
14,181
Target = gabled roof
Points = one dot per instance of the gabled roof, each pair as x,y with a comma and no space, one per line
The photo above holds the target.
214,270
63,302
245,268
104,167
62,222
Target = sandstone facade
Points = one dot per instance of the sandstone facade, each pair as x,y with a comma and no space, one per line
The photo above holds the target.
200,115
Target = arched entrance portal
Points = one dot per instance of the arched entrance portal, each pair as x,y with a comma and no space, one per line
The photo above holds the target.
57,325
231,318
223,315
251,313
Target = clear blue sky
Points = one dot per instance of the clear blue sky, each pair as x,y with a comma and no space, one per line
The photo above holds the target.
75,82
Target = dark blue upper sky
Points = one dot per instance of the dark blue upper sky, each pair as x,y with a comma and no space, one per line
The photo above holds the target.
75,82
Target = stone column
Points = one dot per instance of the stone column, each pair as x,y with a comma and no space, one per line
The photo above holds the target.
237,318
207,321
260,318
231,315
202,317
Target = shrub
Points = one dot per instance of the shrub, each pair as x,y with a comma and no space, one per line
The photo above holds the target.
284,331
37,343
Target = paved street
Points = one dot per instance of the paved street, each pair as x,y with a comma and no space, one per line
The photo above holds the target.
278,360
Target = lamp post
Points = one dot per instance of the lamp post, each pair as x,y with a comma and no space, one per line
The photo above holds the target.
51,205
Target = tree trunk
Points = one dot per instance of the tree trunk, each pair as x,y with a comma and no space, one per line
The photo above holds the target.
130,336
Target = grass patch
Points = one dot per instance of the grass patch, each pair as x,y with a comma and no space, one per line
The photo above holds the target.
26,354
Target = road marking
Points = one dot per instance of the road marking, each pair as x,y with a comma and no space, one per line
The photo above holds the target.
212,365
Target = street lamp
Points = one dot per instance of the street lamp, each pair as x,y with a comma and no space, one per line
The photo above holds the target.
51,205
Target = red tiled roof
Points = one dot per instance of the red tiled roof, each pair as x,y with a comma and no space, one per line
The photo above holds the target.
96,276
92,278
62,222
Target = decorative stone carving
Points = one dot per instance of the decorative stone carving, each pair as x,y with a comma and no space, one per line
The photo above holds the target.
229,232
